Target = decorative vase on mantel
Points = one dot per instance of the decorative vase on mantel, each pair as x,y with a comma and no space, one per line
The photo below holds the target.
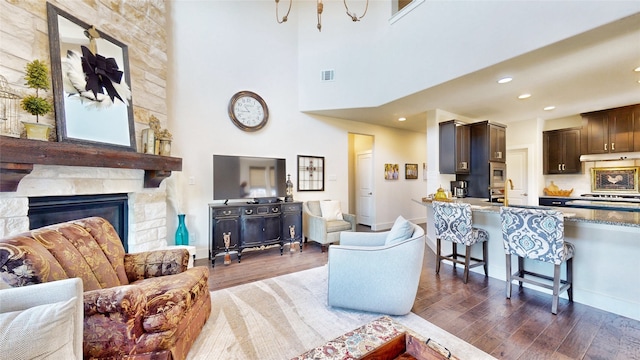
182,234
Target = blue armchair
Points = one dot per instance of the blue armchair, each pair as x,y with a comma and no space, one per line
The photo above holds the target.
370,273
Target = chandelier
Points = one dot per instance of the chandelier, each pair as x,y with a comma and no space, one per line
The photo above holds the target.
320,7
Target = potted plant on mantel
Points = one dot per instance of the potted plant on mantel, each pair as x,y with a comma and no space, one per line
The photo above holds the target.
37,76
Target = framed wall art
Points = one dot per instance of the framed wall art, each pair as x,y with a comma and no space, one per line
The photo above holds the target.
391,171
411,171
619,179
310,173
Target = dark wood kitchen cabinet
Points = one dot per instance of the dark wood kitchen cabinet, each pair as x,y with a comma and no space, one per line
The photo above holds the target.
455,145
252,226
488,146
612,130
561,151
497,143
636,128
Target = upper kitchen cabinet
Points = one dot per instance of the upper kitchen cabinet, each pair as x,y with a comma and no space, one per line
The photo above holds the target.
636,128
613,130
497,143
455,142
561,151
488,144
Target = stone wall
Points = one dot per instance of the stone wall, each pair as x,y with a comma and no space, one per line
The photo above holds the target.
141,25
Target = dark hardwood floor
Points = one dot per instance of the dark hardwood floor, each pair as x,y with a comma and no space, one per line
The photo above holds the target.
477,312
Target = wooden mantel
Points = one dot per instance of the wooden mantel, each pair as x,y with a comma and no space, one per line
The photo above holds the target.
17,157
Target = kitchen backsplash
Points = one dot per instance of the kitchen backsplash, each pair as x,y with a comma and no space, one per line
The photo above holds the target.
581,183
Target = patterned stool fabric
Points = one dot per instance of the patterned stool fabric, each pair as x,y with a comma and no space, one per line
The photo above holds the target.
537,234
453,222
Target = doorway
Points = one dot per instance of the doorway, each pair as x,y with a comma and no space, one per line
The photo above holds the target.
362,184
518,172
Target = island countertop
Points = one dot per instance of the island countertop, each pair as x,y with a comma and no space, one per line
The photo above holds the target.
607,244
609,217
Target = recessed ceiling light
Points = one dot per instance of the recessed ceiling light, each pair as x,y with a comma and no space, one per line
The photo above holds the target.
637,69
402,119
549,108
524,96
505,80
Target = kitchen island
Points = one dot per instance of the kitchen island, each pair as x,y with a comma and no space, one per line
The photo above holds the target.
606,264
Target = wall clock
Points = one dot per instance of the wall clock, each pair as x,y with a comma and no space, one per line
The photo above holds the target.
248,111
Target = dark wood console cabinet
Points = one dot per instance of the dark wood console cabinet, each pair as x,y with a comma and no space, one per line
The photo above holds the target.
253,226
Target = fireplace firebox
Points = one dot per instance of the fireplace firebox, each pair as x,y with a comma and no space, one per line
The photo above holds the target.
48,210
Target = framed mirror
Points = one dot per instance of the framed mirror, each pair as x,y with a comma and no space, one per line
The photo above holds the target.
91,84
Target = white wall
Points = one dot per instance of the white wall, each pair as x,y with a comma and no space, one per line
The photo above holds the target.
376,62
221,47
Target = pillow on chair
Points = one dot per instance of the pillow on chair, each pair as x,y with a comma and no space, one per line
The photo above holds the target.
401,230
330,210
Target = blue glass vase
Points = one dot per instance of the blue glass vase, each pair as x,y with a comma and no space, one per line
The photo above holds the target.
182,234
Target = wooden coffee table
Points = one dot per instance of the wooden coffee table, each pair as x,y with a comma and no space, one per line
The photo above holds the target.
379,339
407,346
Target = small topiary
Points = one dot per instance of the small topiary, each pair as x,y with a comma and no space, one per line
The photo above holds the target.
37,76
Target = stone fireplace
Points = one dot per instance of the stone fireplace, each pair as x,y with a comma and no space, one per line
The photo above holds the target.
146,207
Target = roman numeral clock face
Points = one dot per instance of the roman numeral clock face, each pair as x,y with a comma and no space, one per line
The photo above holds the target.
248,111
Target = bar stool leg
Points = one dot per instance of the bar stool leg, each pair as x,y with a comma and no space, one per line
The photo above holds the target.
556,289
455,254
485,257
570,279
508,276
467,258
438,254
520,269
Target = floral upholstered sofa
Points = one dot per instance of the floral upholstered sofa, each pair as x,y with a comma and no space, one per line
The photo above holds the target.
136,306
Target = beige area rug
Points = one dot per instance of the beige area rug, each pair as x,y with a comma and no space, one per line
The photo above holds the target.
282,317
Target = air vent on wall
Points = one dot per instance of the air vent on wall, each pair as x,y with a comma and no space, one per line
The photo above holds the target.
327,75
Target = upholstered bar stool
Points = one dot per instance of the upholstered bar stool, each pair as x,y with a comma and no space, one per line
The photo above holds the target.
453,223
537,234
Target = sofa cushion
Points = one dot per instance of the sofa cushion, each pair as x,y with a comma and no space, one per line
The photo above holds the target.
39,332
401,230
331,210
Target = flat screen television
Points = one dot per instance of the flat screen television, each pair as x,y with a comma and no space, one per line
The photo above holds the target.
247,177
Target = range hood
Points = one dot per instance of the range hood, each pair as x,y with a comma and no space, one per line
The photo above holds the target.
611,157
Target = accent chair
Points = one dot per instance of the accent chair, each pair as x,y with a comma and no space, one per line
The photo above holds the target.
377,271
42,320
323,221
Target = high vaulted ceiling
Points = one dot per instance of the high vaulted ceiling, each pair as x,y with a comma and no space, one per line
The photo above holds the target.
591,71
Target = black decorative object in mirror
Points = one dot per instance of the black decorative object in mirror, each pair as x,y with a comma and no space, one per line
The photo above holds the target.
90,76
